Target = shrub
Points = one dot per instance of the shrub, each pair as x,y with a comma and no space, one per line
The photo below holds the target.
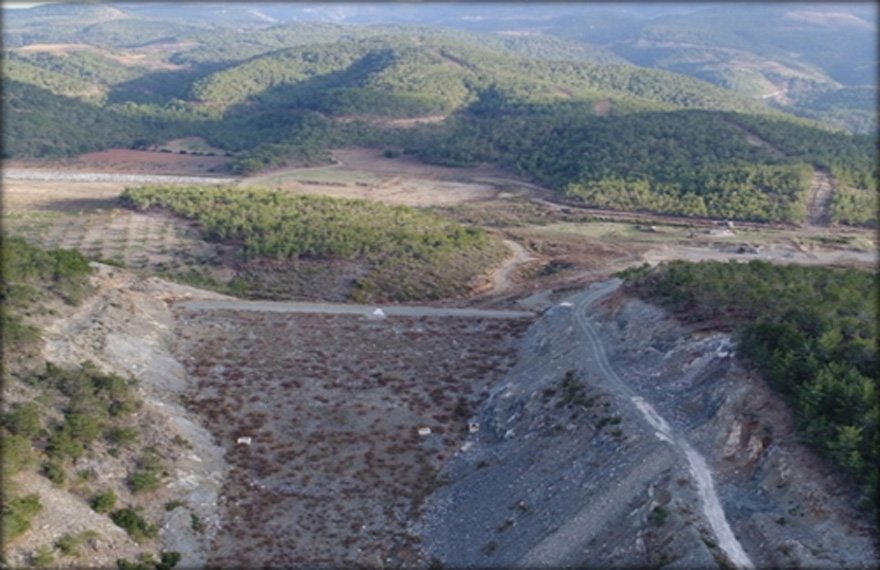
146,475
122,436
196,524
69,544
143,481
171,505
55,472
17,453
24,420
42,556
104,502
145,561
658,515
130,520
18,512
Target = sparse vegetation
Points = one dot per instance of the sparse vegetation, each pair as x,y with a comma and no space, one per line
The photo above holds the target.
18,511
69,544
147,473
171,505
147,561
43,556
196,524
658,515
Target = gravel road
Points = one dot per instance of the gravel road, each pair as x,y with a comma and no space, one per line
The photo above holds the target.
60,176
372,311
712,509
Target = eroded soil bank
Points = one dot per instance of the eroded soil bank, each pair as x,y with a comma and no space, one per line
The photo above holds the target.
126,328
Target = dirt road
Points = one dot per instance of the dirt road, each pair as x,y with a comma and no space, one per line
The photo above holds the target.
502,277
67,176
372,311
711,505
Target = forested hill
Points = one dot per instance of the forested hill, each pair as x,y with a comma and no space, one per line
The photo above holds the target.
684,162
600,132
428,73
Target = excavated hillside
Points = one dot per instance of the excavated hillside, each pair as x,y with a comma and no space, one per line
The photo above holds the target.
602,433
624,439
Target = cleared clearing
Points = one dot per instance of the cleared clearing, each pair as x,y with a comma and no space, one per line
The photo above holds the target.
330,479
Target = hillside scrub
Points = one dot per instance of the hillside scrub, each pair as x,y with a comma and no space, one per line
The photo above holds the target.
811,331
410,254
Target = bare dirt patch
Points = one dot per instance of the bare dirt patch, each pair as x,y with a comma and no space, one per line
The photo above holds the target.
335,469
821,193
404,180
25,196
603,108
414,192
372,160
190,145
391,122
85,216
129,161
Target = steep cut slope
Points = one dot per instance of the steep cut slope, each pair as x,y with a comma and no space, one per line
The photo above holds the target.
623,439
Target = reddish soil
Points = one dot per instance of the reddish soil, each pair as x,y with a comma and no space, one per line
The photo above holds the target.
128,161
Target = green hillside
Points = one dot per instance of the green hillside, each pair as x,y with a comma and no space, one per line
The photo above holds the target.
37,122
687,162
603,134
425,74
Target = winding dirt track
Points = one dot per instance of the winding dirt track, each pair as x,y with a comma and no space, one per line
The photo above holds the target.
712,508
502,277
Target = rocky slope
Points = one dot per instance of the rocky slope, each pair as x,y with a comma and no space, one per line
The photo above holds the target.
621,438
125,328
572,467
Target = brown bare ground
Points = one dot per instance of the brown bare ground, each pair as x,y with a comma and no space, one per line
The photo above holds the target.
21,196
391,122
603,108
366,173
128,161
371,160
336,468
412,192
